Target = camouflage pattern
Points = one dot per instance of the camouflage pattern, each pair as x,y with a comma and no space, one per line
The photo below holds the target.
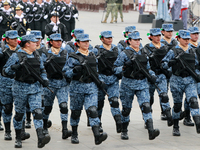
179,85
24,93
129,87
81,93
111,8
119,8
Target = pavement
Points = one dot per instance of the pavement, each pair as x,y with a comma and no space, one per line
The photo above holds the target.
138,136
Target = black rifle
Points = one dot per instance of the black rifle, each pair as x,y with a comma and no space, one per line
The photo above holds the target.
187,67
106,63
143,71
91,73
18,23
31,71
1,12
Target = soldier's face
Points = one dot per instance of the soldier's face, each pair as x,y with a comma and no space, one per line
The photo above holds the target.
156,39
54,18
184,42
135,43
19,12
38,42
168,34
107,41
56,44
6,7
194,37
39,1
67,1
31,46
12,42
25,1
84,45
32,1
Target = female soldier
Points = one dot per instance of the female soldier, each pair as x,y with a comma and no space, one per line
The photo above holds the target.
182,81
135,82
54,62
27,67
83,90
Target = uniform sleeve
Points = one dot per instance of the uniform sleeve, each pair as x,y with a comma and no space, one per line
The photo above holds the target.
11,61
119,63
48,30
65,34
69,66
167,58
120,47
42,69
95,51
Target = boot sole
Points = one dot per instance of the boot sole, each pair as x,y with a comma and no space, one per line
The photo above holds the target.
189,125
66,136
44,141
155,136
8,139
18,146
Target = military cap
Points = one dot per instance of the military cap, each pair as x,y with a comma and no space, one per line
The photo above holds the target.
168,27
184,34
54,13
155,31
6,2
55,37
19,7
29,37
83,37
194,30
106,34
12,34
78,31
130,29
134,35
37,33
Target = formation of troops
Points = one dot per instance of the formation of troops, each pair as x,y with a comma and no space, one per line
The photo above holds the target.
33,74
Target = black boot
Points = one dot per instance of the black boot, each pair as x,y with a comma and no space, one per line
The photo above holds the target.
42,138
187,121
99,138
153,133
45,127
65,132
118,123
74,138
24,135
124,133
100,125
88,121
28,120
168,114
176,131
18,142
7,135
49,123
197,122
1,127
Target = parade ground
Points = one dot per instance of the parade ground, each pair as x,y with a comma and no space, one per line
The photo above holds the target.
138,136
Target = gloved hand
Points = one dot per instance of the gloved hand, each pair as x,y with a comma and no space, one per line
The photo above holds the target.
172,62
63,44
27,9
15,66
1,18
46,16
14,24
126,64
55,28
153,79
75,15
46,83
77,69
63,9
34,8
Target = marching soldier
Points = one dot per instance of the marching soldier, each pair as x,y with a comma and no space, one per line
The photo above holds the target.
107,54
119,7
19,21
111,7
55,26
136,84
83,88
24,5
156,52
27,67
183,80
6,16
30,14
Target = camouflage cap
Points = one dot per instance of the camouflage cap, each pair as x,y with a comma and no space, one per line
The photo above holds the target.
37,33
130,29
106,34
29,37
83,37
194,30
184,34
134,35
168,27
78,31
155,31
55,37
12,34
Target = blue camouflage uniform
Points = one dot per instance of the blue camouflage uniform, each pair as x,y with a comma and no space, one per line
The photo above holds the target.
110,79
24,92
162,80
132,86
183,83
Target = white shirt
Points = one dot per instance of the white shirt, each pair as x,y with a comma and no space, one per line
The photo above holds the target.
185,4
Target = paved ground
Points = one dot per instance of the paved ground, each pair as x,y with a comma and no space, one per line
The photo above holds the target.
138,136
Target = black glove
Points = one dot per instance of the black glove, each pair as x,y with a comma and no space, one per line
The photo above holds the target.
153,79
172,62
15,66
77,69
46,83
